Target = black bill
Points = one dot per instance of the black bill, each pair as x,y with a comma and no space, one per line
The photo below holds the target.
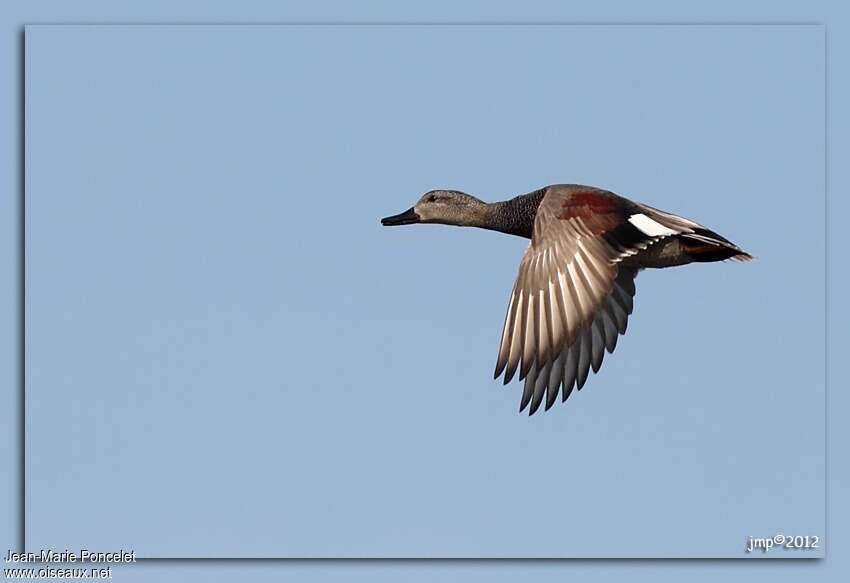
408,217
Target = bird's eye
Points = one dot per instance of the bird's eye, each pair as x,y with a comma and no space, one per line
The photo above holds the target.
432,198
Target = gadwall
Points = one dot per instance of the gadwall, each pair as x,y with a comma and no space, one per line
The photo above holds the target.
575,287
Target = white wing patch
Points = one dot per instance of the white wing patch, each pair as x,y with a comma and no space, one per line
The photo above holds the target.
649,227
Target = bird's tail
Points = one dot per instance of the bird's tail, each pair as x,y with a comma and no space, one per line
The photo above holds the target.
704,246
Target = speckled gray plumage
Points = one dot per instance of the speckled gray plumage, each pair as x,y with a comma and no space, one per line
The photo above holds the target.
516,216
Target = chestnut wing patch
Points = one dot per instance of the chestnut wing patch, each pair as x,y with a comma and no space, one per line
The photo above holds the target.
599,210
614,219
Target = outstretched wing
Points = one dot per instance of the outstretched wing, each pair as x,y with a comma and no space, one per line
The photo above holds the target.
571,297
572,365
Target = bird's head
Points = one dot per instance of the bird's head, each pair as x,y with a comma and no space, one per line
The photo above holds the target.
446,207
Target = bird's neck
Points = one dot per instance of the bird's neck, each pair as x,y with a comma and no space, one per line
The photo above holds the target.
514,216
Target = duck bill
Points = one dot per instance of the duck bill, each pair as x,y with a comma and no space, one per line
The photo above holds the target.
408,217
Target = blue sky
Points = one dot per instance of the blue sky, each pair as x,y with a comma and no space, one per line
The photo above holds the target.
240,348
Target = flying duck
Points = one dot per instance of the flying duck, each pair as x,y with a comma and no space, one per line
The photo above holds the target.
575,288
